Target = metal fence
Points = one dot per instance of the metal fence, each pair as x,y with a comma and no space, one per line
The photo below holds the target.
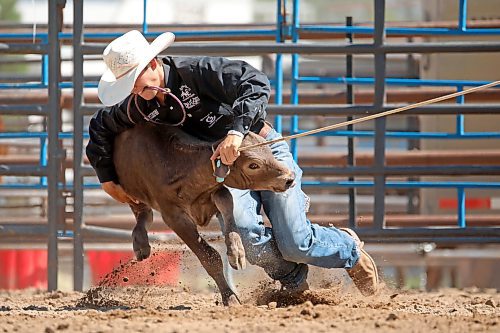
287,38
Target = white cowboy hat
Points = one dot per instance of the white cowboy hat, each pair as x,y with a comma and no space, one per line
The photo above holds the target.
125,58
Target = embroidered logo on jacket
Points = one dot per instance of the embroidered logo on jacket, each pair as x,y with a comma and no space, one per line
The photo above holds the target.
211,119
189,99
153,114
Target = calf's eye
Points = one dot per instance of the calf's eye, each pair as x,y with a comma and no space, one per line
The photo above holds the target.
253,166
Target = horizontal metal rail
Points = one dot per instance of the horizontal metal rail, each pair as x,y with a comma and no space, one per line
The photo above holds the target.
399,31
21,170
41,85
483,157
24,48
402,184
452,235
356,110
465,170
310,184
31,135
24,232
24,110
303,79
261,31
410,135
316,48
399,235
392,81
365,110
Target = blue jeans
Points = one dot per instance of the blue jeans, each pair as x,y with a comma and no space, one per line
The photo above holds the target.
293,242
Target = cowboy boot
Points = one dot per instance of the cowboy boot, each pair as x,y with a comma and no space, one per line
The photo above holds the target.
296,287
364,273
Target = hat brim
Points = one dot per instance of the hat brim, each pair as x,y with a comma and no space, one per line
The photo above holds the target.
111,91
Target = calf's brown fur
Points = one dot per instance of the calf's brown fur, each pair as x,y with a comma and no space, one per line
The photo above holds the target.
170,171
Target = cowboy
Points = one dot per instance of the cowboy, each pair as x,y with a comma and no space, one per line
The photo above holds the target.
215,98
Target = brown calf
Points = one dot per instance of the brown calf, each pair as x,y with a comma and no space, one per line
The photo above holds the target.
170,171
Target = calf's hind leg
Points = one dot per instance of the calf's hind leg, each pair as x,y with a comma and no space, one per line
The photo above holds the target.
140,241
208,256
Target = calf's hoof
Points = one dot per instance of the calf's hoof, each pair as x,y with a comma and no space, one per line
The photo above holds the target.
235,251
143,253
231,300
140,243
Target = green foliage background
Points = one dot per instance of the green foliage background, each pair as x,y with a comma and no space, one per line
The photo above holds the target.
8,11
10,14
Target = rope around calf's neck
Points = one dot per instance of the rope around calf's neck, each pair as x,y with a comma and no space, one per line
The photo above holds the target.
374,116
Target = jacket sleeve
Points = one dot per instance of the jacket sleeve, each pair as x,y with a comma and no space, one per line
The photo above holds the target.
238,84
104,126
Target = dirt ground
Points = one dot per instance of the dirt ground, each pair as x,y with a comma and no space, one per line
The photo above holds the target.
332,305
264,309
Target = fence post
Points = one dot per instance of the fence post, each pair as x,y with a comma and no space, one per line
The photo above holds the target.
56,201
380,123
78,254
351,161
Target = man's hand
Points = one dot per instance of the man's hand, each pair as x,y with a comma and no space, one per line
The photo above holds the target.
117,193
228,149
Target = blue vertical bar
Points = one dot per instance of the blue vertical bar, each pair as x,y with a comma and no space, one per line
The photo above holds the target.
460,118
45,83
461,207
145,17
294,97
462,15
45,65
278,95
43,159
278,86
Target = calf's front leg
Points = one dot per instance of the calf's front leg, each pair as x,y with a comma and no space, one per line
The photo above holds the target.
235,252
186,229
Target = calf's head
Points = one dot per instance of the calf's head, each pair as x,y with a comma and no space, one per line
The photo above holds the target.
257,169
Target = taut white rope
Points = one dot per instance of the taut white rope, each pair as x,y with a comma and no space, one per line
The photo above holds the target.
378,115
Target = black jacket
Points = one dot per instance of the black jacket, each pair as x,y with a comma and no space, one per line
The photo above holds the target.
218,95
